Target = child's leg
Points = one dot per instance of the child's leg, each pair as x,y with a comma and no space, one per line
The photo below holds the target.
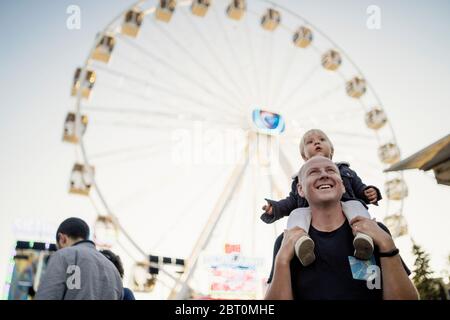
300,217
304,247
353,208
363,243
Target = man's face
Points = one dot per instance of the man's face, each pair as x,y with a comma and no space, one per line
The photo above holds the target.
316,145
320,181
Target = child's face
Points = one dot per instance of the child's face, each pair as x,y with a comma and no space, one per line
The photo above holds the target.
317,145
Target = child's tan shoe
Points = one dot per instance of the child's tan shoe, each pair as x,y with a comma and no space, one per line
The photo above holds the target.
304,250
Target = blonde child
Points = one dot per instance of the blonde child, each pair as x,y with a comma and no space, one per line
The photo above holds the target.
314,143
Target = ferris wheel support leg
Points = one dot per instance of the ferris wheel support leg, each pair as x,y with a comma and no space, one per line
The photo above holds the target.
286,165
277,194
275,188
181,289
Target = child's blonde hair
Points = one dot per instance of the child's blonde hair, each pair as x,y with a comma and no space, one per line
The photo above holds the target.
317,131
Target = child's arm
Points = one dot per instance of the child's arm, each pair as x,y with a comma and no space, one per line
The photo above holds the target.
368,194
275,210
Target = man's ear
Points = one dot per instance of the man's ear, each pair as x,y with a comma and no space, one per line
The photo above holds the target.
342,187
300,190
62,239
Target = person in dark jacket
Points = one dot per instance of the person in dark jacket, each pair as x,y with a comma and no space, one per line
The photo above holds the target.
115,259
355,199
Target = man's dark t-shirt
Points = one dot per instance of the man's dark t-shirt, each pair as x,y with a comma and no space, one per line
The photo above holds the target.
330,277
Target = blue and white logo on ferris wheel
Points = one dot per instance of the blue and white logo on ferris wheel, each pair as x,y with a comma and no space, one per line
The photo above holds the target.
268,122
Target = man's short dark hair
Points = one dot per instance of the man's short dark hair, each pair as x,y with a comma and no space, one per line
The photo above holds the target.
74,228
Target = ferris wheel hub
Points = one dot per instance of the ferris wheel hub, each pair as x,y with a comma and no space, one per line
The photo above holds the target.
267,122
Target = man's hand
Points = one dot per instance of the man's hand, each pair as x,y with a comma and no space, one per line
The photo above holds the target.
290,237
280,288
371,195
267,208
371,228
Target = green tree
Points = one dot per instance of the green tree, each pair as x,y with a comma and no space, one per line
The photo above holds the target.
429,288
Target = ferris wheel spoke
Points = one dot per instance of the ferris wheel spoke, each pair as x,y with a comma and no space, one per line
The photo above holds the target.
218,99
147,84
135,125
216,213
188,81
220,63
127,158
353,144
235,56
162,107
235,211
201,66
268,68
158,127
139,111
259,59
194,103
256,82
285,163
276,194
285,75
95,206
143,82
262,61
343,140
127,150
337,113
183,215
339,135
353,151
284,102
121,74
254,219
163,114
318,98
354,135
126,250
324,121
142,97
168,87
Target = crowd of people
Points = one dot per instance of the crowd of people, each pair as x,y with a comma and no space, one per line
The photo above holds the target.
78,271
330,237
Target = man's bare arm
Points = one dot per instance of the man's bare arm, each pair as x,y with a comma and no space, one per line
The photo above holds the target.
396,283
281,286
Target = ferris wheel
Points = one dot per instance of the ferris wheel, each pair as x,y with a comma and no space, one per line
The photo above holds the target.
187,114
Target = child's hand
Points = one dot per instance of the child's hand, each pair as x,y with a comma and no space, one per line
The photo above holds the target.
267,208
371,195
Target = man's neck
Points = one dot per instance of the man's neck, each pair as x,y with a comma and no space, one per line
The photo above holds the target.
327,217
73,242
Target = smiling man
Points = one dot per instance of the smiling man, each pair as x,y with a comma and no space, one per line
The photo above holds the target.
336,274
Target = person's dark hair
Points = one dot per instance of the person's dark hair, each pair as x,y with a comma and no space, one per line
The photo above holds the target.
115,259
74,228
